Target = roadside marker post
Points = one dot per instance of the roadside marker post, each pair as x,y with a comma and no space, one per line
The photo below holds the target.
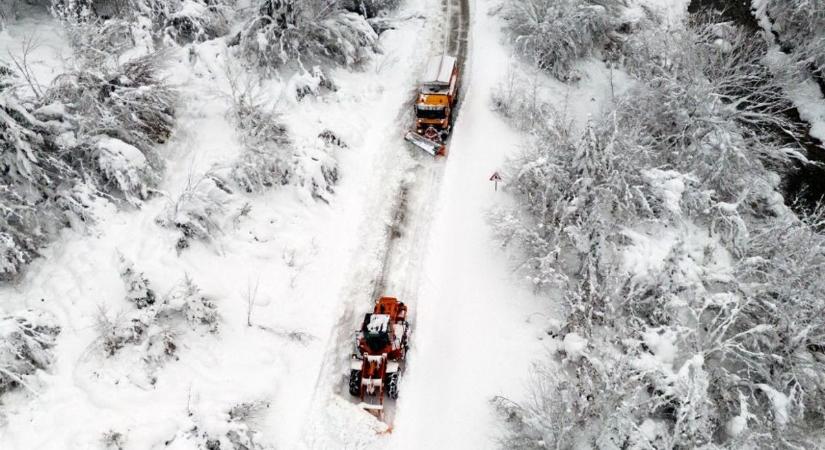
495,178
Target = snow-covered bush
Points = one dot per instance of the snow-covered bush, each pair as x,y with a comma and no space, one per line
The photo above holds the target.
175,21
232,430
555,34
197,211
197,309
270,158
305,31
129,102
98,43
187,21
799,26
266,155
138,291
26,340
92,134
113,118
369,8
122,329
150,333
40,186
113,440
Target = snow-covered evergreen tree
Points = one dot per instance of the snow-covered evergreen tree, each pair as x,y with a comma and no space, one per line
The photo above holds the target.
138,291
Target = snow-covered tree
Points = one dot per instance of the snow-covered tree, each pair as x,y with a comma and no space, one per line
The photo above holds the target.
40,185
270,158
138,291
555,34
174,21
198,310
369,8
707,358
304,31
567,227
113,119
26,340
197,211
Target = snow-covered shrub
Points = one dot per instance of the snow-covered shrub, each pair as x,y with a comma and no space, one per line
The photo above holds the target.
39,186
129,102
303,31
150,334
270,158
92,134
223,432
159,347
187,21
176,21
775,342
138,291
582,402
113,440
555,34
573,192
113,118
266,155
330,138
26,340
152,339
198,310
369,8
124,167
122,329
197,211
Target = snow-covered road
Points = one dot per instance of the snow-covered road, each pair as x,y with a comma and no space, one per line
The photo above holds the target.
472,340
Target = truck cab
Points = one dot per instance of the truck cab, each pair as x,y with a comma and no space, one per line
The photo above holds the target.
437,95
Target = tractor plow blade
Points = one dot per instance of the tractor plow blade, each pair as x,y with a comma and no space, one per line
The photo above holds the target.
432,147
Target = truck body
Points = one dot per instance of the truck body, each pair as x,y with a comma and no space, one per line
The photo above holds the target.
435,104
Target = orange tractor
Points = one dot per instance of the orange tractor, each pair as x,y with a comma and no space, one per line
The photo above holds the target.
435,105
380,349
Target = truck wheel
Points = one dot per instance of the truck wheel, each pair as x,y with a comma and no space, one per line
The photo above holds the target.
355,382
392,385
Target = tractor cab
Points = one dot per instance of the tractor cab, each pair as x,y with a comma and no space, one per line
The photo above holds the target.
376,332
378,358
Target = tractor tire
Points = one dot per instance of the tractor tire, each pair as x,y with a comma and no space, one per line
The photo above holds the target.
392,385
355,382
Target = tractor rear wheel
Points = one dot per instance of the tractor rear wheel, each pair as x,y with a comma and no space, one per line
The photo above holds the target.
355,382
392,385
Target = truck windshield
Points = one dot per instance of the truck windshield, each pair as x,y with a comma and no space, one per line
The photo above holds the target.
431,113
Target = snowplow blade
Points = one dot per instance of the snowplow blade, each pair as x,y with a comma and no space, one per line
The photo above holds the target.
431,147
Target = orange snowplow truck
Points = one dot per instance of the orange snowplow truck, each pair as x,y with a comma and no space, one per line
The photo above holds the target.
435,105
380,349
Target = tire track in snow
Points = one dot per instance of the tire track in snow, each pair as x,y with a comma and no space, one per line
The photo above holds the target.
401,243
